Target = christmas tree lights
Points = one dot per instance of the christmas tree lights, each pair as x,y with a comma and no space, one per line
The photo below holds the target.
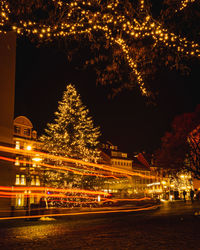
72,134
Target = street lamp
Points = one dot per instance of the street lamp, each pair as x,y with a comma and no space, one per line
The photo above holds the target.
29,148
37,159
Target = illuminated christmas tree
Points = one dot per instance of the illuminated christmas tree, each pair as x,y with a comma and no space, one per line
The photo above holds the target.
72,134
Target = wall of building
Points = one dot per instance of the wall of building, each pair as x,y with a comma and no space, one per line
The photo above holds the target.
7,85
7,90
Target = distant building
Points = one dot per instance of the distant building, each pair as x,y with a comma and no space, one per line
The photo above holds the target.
114,157
24,135
144,179
20,170
26,174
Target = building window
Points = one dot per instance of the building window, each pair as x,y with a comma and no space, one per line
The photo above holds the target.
33,180
19,200
17,130
17,145
20,180
23,180
37,183
27,131
17,181
17,161
124,155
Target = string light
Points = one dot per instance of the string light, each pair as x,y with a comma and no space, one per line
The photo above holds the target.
118,29
184,4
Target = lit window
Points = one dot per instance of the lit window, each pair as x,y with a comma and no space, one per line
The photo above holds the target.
23,180
124,155
17,182
37,181
19,200
17,145
17,161
33,180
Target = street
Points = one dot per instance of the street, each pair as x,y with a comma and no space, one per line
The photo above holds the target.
175,225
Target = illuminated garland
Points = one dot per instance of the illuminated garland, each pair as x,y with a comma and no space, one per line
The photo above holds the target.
4,12
184,4
117,28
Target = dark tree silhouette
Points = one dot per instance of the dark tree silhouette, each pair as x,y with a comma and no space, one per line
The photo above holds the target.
180,147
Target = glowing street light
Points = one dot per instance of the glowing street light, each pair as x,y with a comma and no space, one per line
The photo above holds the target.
37,159
29,147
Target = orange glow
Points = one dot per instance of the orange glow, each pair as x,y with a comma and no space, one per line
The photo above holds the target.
65,159
77,202
57,167
82,213
60,190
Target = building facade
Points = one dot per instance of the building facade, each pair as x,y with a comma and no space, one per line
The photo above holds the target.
27,169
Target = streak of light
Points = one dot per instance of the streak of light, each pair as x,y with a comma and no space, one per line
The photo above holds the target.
46,189
89,164
57,167
82,213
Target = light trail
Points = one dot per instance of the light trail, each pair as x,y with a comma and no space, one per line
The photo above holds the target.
82,213
60,190
56,167
66,159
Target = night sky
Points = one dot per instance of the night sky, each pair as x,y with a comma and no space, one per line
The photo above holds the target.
127,121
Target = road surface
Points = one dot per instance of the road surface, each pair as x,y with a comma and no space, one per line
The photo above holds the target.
176,225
